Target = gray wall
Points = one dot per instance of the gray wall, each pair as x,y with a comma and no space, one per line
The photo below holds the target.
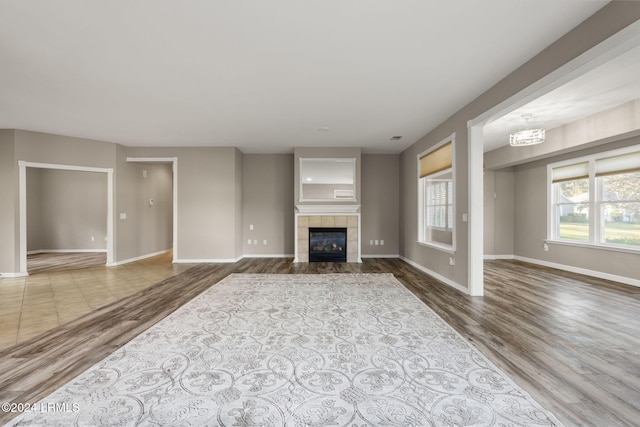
154,221
209,200
147,229
531,222
65,209
600,26
268,204
499,213
9,232
380,204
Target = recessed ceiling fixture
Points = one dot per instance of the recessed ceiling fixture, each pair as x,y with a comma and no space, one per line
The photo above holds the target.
395,138
526,136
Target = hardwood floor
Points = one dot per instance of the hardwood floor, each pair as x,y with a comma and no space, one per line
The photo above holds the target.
571,341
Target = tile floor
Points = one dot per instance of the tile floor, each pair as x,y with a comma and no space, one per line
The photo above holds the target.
37,303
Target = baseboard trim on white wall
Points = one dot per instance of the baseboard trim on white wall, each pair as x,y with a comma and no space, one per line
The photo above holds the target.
268,256
593,273
380,256
208,261
493,257
441,278
11,275
138,258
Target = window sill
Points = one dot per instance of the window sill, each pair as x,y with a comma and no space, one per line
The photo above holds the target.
594,246
442,248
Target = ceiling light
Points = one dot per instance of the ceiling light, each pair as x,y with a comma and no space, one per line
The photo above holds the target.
395,138
526,136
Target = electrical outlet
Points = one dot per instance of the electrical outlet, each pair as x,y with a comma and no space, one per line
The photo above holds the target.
381,242
249,242
250,227
371,242
376,242
452,261
93,238
255,242
264,242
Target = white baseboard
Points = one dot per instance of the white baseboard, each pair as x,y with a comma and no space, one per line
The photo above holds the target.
380,256
207,261
267,256
579,270
138,258
439,277
492,257
9,275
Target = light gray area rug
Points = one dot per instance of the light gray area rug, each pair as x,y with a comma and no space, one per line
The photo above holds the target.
296,350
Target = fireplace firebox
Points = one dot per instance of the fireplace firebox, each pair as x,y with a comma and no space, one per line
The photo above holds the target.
327,244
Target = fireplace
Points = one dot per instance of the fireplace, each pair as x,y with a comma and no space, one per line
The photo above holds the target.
327,244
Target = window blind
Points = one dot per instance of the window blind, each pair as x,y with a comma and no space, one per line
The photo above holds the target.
437,160
570,172
625,163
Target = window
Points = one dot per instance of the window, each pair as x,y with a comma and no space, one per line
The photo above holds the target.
435,196
596,200
571,201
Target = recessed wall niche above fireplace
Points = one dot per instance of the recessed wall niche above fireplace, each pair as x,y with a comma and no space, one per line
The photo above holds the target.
327,244
327,195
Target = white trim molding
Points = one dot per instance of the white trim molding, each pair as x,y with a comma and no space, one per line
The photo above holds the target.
22,189
138,258
437,276
207,261
593,273
327,209
174,162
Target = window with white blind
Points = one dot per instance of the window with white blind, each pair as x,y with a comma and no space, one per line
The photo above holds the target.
595,200
436,217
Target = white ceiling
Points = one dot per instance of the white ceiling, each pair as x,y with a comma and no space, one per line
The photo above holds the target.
263,76
605,87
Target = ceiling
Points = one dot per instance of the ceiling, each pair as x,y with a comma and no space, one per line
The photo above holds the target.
263,76
607,86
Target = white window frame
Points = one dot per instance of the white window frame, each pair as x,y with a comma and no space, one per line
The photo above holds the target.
450,249
596,227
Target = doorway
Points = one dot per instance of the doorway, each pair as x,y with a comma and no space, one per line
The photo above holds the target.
23,242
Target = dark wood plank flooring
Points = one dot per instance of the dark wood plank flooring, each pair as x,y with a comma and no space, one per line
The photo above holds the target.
571,341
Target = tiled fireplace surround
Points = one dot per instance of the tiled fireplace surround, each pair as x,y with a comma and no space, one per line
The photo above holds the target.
351,221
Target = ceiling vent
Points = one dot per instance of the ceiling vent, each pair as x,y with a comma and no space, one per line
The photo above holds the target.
395,138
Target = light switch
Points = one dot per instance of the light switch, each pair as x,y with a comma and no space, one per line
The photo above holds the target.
123,215
251,227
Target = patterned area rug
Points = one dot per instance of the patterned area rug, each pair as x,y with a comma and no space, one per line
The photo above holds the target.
295,350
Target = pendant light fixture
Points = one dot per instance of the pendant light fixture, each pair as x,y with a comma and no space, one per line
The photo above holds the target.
526,136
